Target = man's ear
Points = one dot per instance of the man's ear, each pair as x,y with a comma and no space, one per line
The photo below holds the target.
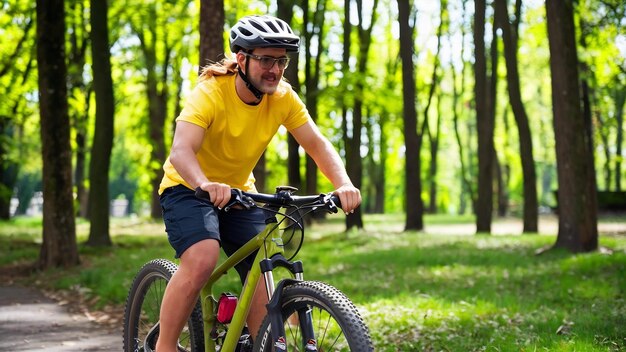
241,59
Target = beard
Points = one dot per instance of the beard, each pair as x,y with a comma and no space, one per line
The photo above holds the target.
267,82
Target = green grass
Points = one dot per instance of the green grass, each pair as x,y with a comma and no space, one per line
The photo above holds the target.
417,291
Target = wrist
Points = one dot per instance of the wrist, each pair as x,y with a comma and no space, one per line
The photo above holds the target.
202,184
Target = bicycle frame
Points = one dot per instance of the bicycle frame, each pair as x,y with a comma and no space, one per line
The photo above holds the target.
269,243
316,315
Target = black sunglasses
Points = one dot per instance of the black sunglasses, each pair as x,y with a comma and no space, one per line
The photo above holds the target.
267,62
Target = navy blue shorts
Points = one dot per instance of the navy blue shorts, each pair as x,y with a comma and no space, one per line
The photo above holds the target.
189,220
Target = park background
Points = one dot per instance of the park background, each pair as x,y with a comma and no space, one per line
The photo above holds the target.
467,111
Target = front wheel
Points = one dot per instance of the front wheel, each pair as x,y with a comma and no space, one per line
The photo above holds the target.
141,316
334,321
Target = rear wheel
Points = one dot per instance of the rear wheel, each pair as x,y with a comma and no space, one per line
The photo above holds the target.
141,316
335,321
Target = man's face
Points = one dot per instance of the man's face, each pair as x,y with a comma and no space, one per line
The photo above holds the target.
265,79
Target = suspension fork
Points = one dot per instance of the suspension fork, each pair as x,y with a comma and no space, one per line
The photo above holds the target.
275,303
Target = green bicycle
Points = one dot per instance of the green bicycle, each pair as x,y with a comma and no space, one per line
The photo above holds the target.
301,315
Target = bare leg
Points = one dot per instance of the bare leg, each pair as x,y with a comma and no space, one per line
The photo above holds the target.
196,265
258,310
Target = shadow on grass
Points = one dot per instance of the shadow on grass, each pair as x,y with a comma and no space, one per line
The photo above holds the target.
418,292
461,293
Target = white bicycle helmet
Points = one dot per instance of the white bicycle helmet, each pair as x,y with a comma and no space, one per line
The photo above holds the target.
262,32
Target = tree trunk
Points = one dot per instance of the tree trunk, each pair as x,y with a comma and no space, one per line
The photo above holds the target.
379,178
310,169
157,94
59,247
485,124
158,110
293,163
211,31
82,192
79,91
492,103
433,137
603,133
103,133
345,103
466,187
354,163
465,177
531,205
577,197
620,99
412,173
8,169
379,185
374,202
285,12
500,176
313,27
434,151
503,173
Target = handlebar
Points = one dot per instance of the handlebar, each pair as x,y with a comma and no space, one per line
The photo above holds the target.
282,198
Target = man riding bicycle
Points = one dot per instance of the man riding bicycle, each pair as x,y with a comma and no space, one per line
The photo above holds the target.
226,124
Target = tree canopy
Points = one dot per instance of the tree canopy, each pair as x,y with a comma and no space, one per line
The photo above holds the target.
441,103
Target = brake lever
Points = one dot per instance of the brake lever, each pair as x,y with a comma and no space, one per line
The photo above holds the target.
238,198
331,201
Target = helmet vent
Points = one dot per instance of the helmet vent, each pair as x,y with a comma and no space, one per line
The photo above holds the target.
271,24
257,26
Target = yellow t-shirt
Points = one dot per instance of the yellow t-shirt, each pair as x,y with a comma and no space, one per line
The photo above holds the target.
236,133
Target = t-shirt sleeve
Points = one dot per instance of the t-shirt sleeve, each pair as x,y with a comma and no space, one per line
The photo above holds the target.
199,107
298,113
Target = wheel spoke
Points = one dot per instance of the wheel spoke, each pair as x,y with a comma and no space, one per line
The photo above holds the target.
335,322
294,331
141,317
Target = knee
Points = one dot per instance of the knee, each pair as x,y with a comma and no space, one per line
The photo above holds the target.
199,260
200,269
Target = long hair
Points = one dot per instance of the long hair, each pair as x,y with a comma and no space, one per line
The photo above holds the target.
222,68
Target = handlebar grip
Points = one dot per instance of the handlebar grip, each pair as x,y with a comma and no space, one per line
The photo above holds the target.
202,194
336,200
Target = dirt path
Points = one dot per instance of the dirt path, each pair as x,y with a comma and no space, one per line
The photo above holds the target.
29,321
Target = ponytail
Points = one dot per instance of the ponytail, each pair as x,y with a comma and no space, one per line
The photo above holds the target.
222,68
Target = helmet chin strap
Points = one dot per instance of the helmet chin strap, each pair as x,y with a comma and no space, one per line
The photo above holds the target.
254,90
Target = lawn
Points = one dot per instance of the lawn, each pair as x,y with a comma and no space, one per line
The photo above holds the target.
438,290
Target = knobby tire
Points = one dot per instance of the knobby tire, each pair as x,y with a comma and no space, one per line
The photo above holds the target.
337,323
142,310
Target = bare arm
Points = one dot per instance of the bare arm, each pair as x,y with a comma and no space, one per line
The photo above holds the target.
187,142
330,163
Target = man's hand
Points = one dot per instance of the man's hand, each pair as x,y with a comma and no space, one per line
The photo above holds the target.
349,196
219,193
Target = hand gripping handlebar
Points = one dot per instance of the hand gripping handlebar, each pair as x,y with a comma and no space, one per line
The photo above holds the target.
282,198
